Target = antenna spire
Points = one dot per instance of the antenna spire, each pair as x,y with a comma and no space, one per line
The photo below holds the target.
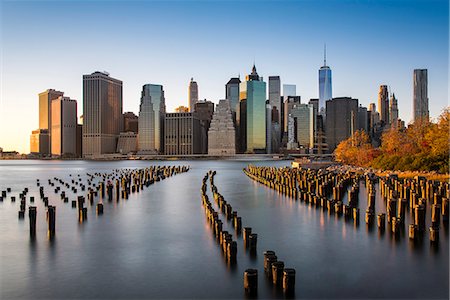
325,54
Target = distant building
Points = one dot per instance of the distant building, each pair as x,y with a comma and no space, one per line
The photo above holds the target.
193,94
64,126
420,96
102,113
151,118
182,109
269,135
383,104
79,141
127,142
232,93
363,119
289,103
241,126
204,111
221,134
341,120
130,122
254,89
182,134
289,90
325,87
39,141
275,101
45,111
393,111
304,117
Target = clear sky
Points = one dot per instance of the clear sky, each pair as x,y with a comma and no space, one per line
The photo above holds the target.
51,44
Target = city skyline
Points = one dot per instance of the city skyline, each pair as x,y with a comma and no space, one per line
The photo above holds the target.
360,63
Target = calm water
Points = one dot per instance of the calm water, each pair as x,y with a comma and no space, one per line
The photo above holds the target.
158,244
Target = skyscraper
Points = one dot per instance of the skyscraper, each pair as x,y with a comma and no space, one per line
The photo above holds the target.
221,134
304,116
45,111
275,93
232,93
393,110
151,116
289,90
255,95
383,104
420,97
182,134
64,126
204,111
102,113
193,94
325,89
130,122
342,114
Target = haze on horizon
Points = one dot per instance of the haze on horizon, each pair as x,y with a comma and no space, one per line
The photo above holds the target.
49,44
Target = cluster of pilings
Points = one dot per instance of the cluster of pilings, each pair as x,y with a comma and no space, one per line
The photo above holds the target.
98,185
416,195
326,189
223,237
280,276
319,188
276,272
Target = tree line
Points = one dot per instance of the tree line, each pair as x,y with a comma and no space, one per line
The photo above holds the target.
423,146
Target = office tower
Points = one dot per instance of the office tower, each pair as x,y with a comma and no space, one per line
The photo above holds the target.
64,126
204,111
232,93
420,96
102,113
45,111
182,134
79,141
289,90
221,134
393,111
268,127
304,116
291,133
363,119
241,126
383,104
275,101
289,103
193,94
254,91
39,141
130,122
182,109
151,116
325,88
275,93
341,120
127,142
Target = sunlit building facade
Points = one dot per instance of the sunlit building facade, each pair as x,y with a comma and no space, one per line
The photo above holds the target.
151,118
102,114
383,104
255,94
45,111
64,127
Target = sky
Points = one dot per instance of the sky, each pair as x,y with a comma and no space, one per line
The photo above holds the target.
51,44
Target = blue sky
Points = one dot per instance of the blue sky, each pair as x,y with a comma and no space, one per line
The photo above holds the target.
51,44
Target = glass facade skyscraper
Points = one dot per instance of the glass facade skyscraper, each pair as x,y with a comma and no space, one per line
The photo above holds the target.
255,93
325,89
232,93
151,115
